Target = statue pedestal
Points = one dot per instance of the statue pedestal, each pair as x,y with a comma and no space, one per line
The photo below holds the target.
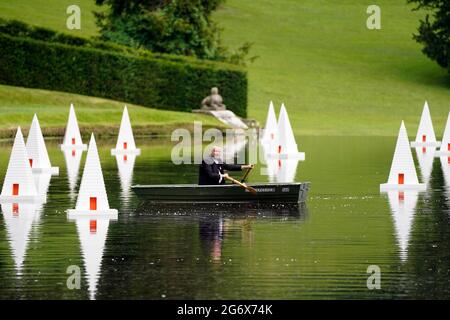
226,116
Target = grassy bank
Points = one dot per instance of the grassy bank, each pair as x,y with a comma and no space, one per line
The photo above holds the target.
51,14
17,106
335,76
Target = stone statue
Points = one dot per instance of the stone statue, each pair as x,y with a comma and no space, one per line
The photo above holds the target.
213,101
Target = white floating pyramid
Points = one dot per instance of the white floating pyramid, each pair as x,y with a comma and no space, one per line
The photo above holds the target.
425,157
285,146
37,151
403,204
72,137
18,185
92,234
270,130
425,133
92,199
403,175
445,145
125,141
73,160
19,218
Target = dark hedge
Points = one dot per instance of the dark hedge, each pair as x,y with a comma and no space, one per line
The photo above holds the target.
40,58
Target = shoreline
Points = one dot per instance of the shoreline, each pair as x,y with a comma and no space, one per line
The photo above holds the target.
151,130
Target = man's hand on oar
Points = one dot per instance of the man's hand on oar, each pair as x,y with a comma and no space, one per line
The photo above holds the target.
243,185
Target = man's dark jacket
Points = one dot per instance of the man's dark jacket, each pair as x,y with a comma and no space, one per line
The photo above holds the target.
209,171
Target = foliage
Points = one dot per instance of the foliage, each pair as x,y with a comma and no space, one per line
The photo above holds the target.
434,30
182,27
148,81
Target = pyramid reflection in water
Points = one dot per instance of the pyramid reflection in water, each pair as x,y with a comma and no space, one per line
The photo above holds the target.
92,233
125,164
73,160
19,218
425,157
403,204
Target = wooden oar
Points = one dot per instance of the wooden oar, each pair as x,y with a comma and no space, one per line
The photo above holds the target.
246,174
243,185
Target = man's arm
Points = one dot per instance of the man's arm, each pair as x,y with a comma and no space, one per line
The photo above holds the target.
232,167
236,167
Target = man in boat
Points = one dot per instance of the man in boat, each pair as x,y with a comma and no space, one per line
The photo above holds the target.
212,169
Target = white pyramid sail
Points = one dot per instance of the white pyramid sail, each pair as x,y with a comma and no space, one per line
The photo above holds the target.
125,140
425,133
270,129
445,145
73,160
403,173
72,136
18,185
425,157
92,234
286,147
403,204
37,151
286,139
92,198
18,219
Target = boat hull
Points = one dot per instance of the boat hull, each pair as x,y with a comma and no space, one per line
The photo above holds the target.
268,192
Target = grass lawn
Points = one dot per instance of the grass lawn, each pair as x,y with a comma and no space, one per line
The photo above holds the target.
17,106
335,76
51,14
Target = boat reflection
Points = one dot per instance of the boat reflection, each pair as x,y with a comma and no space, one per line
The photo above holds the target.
425,157
73,160
19,218
211,232
403,204
216,221
92,233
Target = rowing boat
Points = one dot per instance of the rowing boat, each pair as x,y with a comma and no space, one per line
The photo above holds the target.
265,192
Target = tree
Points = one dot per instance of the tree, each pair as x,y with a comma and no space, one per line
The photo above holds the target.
434,30
182,27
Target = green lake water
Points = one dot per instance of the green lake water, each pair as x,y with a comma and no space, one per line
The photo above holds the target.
319,250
